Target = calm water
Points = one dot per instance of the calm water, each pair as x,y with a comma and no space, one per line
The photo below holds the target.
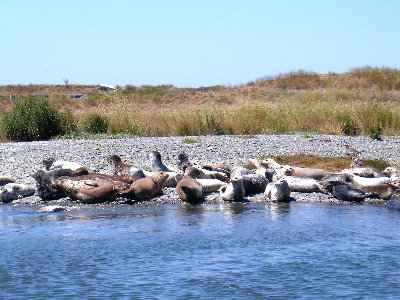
230,251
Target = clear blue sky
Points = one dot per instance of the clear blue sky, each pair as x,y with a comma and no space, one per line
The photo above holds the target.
191,43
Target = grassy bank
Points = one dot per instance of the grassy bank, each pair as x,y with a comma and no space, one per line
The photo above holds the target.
364,101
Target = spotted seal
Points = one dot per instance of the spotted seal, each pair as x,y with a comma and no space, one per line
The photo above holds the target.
103,193
13,191
146,188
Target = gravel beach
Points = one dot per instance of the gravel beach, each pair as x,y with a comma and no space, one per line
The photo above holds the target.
24,158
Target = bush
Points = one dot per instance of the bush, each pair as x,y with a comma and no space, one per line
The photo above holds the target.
31,119
68,123
348,125
96,123
375,131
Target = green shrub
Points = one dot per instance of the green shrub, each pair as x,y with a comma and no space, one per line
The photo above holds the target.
348,125
32,118
68,123
375,131
96,123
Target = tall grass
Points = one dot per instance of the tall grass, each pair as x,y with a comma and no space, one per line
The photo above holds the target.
363,101
285,117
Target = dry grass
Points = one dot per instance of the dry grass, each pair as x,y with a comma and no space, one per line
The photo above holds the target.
328,163
294,102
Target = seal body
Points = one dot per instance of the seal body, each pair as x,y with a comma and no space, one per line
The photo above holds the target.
302,185
92,188
278,190
119,168
14,191
146,188
234,191
6,179
346,193
188,188
157,164
254,183
211,185
46,187
183,161
361,182
310,172
53,164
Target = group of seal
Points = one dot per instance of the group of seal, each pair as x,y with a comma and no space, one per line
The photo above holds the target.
193,181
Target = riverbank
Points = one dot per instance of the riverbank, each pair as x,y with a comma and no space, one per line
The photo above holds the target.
24,158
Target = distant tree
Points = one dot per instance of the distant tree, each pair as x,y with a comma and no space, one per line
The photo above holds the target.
66,81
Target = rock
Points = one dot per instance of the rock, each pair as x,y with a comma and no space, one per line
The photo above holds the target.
52,209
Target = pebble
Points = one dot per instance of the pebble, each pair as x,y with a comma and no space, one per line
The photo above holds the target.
24,158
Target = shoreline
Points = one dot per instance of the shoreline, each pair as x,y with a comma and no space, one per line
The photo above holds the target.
24,158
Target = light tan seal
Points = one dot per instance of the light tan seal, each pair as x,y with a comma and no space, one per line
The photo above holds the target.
92,188
278,190
315,173
188,188
234,191
146,188
108,192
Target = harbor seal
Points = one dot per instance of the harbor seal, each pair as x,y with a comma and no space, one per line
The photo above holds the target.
60,183
234,191
13,191
271,163
278,190
6,179
211,185
188,188
120,168
264,170
362,182
53,164
302,185
146,188
157,164
103,193
391,172
183,161
46,188
345,192
315,173
252,183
